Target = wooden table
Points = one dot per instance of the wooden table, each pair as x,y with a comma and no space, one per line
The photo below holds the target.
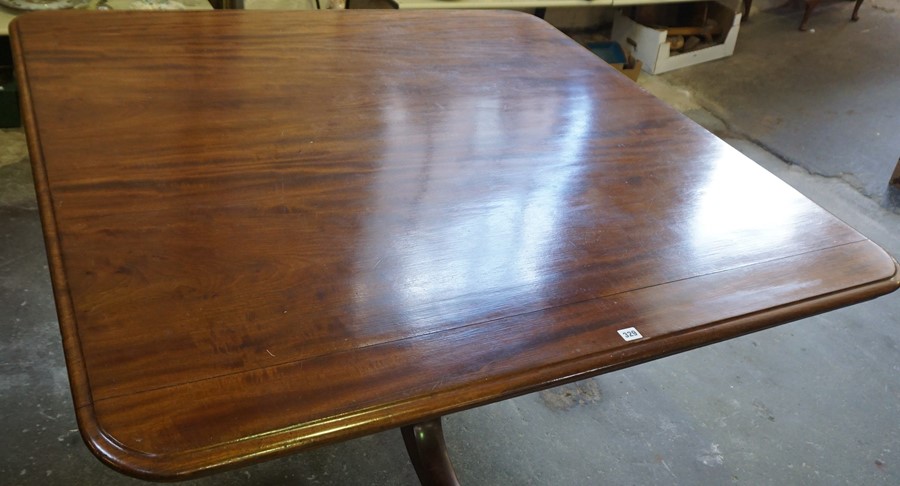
259,245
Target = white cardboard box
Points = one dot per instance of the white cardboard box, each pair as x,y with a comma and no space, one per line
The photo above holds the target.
650,46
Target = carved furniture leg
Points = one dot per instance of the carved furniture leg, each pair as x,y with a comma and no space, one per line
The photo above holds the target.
855,16
895,178
810,6
428,453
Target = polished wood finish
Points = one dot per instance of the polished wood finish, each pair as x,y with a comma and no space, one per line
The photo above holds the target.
428,453
260,245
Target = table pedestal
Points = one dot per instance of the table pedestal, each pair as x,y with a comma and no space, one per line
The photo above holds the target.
428,453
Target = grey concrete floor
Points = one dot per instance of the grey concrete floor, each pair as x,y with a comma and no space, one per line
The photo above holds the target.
812,402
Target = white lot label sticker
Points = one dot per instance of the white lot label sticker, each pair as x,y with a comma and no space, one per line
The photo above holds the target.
630,334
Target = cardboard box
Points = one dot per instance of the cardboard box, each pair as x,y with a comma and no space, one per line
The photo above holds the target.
615,56
636,32
632,72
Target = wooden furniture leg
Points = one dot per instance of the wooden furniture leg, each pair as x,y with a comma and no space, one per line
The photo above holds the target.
895,178
810,6
428,453
855,15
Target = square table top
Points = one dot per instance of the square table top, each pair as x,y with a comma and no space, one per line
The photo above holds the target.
272,230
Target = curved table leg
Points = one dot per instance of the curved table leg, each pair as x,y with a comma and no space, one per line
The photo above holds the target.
810,6
895,178
428,453
855,16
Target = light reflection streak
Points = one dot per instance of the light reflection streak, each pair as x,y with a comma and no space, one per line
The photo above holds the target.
729,212
469,199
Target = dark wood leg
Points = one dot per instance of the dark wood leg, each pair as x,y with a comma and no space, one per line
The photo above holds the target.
895,179
428,453
747,4
855,16
810,6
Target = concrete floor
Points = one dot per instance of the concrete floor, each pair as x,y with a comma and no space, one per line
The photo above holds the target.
812,402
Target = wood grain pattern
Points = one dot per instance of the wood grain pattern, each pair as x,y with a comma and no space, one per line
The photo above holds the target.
259,245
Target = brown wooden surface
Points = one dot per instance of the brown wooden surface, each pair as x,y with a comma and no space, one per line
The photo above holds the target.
273,230
895,177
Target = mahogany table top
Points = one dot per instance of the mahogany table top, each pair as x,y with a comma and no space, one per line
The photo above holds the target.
272,230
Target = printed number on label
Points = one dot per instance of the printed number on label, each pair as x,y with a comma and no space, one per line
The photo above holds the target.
630,334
